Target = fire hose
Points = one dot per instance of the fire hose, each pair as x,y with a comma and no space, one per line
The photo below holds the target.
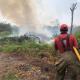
76,53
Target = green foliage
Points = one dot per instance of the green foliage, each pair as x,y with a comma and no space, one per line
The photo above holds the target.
9,48
77,34
4,34
10,76
7,29
26,47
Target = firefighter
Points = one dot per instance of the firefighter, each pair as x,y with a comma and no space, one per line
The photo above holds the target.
63,45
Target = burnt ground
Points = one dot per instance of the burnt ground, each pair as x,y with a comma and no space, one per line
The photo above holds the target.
27,67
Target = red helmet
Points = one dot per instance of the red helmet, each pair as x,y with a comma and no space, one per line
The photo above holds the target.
63,27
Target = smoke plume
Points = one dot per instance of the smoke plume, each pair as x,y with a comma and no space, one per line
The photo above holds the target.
24,13
21,12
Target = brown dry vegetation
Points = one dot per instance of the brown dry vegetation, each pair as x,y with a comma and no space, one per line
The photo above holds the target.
26,60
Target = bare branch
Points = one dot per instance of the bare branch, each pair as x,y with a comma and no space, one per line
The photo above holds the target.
72,15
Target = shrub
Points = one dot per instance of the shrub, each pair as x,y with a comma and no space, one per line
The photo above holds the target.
10,76
26,47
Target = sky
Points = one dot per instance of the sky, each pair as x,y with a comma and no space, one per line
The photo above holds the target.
51,10
43,12
33,15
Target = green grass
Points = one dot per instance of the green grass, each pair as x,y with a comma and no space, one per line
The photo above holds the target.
10,76
77,34
26,47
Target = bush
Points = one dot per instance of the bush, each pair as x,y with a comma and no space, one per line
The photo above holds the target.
77,34
26,47
10,76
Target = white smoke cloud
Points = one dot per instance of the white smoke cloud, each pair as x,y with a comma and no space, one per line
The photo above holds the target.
78,1
31,15
5,20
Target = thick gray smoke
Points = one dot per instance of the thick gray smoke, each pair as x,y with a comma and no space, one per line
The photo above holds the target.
21,12
24,13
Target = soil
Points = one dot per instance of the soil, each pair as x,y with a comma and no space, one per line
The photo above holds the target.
27,67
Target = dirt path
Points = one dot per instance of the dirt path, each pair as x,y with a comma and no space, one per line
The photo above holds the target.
8,63
26,67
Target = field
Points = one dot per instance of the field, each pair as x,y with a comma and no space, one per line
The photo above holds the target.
26,60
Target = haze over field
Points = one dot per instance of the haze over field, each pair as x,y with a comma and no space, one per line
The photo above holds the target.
31,15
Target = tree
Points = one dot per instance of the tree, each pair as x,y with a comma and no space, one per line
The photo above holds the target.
7,29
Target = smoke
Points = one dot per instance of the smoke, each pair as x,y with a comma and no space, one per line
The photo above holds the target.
78,1
24,13
21,12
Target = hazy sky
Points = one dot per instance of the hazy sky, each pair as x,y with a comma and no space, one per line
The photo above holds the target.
58,9
31,15
39,11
